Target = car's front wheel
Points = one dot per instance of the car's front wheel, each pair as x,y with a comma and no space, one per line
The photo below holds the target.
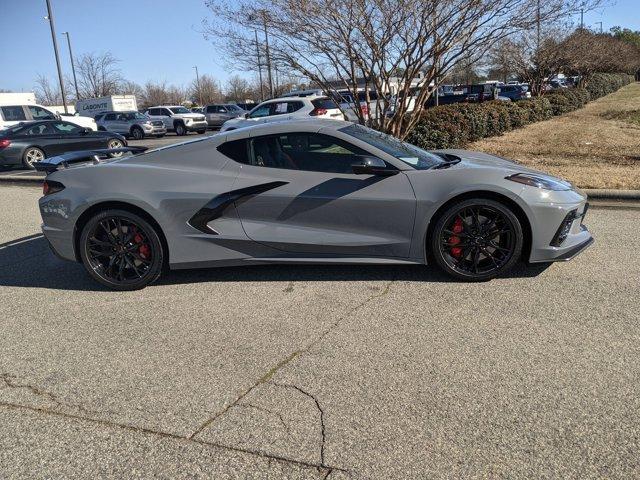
477,239
180,129
121,250
137,133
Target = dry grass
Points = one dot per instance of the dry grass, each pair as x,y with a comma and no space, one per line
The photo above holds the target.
597,146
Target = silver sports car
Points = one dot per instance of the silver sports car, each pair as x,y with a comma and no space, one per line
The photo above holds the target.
310,191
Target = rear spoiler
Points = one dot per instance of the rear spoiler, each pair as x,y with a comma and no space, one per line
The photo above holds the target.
52,164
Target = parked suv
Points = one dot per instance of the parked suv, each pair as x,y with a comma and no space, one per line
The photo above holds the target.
14,114
219,113
131,124
178,119
515,92
285,109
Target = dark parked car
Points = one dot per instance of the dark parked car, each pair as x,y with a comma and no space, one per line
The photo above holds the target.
28,143
515,92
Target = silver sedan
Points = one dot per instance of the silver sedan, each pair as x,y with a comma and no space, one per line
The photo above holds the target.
312,191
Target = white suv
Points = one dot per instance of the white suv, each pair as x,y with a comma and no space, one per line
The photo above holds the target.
14,114
287,108
178,119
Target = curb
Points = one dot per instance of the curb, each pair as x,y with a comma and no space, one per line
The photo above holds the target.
20,180
610,194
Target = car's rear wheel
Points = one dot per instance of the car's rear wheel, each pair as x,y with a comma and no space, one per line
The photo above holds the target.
121,250
202,131
477,239
31,156
137,133
180,129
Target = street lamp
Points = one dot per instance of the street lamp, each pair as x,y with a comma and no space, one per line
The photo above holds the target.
198,85
55,51
73,67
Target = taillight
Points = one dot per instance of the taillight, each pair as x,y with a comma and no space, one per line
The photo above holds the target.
4,143
318,111
49,187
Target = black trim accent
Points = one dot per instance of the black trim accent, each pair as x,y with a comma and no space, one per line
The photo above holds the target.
569,254
217,205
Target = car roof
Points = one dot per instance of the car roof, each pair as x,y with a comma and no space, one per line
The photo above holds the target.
287,125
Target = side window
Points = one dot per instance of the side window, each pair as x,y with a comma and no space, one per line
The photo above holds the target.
39,113
211,109
40,129
261,111
165,112
311,152
109,117
221,109
12,114
66,128
280,108
294,106
235,150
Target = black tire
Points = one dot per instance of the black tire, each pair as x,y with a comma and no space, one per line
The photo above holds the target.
181,130
109,255
160,136
202,131
31,156
137,133
476,240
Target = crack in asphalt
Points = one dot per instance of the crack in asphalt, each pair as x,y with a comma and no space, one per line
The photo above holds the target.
149,431
323,436
285,361
10,381
266,410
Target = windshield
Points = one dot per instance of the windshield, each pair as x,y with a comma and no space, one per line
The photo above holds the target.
409,154
179,110
136,116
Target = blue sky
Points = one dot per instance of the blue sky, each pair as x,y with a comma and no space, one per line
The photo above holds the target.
153,39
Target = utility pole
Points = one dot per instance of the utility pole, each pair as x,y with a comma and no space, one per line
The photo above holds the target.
582,19
55,50
73,67
600,26
259,66
538,34
266,39
198,85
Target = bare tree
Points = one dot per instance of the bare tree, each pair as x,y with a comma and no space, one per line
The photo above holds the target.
237,89
46,94
160,93
205,91
98,75
360,45
131,88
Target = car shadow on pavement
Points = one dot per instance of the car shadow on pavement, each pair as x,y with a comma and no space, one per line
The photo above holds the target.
29,262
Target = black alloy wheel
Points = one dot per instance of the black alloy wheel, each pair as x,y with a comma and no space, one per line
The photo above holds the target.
477,239
137,133
180,130
121,250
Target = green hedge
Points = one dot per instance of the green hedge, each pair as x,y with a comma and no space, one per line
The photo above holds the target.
453,126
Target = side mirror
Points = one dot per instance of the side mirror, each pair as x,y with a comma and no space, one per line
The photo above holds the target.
373,166
85,130
246,115
57,116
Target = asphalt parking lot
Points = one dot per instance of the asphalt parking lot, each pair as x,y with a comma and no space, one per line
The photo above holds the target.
304,372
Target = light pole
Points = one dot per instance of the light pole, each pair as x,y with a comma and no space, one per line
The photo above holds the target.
198,85
55,50
600,26
266,40
259,66
73,67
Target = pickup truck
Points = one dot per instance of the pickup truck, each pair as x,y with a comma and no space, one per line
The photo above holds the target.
178,119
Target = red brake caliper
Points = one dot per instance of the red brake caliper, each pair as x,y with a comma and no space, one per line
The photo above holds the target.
144,249
454,239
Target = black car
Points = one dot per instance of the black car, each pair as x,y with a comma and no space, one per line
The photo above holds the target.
27,143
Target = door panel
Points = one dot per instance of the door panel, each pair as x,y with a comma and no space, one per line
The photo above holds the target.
328,213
